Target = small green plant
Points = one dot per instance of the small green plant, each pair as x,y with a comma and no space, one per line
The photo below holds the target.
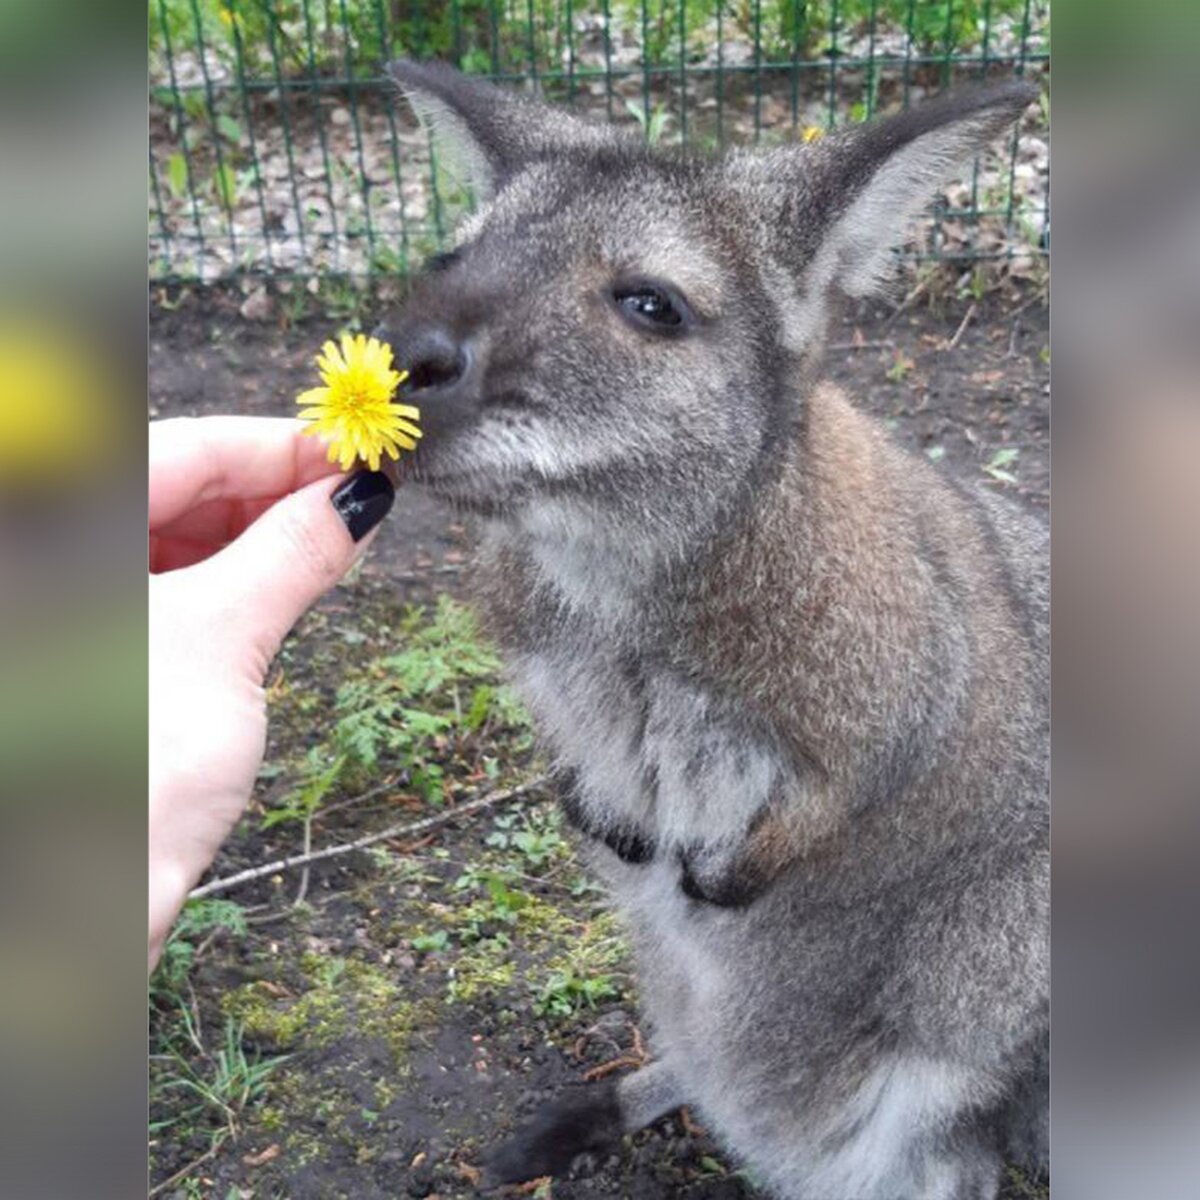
342,302
901,366
431,943
504,902
654,126
409,714
997,465
199,919
566,992
390,260
177,175
227,186
229,129
538,839
320,777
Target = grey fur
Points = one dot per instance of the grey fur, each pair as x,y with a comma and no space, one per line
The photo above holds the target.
795,679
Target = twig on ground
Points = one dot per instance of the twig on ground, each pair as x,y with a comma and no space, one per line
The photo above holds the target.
952,344
882,344
392,831
1039,295
1012,339
904,304
635,1057
185,1171
616,1064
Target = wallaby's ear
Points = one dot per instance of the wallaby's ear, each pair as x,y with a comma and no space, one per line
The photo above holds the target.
487,133
866,184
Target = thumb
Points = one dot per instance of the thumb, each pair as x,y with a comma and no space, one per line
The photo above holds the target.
294,553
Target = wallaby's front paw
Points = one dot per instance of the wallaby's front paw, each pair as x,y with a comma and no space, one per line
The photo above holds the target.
584,1118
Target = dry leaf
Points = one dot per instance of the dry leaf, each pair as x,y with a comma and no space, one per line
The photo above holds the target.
271,1153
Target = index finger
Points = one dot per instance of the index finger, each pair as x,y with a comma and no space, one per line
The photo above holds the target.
197,459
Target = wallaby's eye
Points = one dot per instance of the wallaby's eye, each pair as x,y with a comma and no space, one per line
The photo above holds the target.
656,307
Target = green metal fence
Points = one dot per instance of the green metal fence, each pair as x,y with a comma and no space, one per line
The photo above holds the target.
277,146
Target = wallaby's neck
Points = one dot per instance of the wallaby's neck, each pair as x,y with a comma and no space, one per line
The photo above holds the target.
820,613
816,615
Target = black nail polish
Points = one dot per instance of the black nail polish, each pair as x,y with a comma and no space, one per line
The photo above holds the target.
363,501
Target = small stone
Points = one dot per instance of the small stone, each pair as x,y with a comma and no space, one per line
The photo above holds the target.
258,306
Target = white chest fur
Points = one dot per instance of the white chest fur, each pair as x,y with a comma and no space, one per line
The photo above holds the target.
651,751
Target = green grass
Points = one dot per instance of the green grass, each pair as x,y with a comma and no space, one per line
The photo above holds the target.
413,715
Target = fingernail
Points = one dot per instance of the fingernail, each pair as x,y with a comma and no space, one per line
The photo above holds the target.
363,501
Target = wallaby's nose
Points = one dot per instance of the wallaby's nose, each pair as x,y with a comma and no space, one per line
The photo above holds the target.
430,353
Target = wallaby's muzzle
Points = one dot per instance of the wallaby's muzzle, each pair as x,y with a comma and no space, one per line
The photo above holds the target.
442,372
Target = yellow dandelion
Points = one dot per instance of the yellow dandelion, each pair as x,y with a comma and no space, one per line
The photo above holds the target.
810,133
354,409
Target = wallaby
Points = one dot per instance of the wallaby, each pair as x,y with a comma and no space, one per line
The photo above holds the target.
793,679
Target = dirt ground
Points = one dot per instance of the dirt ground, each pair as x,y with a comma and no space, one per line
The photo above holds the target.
427,994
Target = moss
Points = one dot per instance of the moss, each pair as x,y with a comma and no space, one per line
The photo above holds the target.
303,1148
271,1119
483,969
599,945
385,1094
345,995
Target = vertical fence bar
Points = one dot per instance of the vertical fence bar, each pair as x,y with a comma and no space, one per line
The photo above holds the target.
494,34
831,122
385,40
164,234
285,115
948,44
456,47
872,79
757,70
315,88
181,120
939,209
908,49
645,70
799,16
210,104
983,66
256,167
608,71
435,190
571,53
721,73
683,92
1014,146
352,99
530,27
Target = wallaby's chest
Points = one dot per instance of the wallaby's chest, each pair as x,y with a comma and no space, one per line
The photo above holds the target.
649,752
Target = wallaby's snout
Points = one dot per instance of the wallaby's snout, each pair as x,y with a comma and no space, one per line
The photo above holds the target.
442,369
434,357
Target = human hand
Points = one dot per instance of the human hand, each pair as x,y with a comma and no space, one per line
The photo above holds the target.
249,525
